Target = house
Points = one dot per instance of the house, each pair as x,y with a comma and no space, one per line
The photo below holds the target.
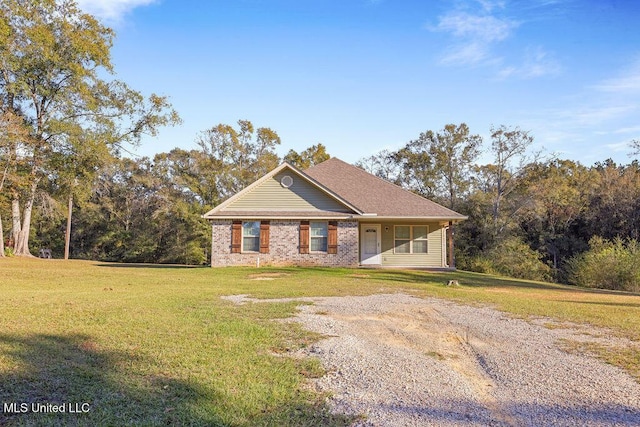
332,214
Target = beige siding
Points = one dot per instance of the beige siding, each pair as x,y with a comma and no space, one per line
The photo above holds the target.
301,196
433,258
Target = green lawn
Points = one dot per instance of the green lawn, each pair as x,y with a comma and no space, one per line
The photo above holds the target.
155,345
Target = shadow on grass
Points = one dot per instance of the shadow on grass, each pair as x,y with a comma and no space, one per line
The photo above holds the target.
153,266
71,370
480,280
610,304
100,387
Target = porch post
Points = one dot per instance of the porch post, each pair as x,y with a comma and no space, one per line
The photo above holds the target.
450,252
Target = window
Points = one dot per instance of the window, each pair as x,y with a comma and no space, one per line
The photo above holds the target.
251,236
420,236
411,239
318,234
403,239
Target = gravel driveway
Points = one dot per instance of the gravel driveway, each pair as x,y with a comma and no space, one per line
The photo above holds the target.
405,361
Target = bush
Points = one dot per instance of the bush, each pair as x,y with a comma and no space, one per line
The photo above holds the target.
511,257
479,264
607,265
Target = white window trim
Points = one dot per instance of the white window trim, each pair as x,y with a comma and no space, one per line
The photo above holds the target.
411,239
242,236
326,249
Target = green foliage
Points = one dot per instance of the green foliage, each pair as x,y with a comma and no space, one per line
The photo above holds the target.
477,263
513,258
614,206
382,164
53,60
307,158
139,213
608,264
236,157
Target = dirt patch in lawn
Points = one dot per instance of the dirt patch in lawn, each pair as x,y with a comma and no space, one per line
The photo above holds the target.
266,276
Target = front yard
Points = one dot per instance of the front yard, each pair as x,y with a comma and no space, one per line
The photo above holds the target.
125,344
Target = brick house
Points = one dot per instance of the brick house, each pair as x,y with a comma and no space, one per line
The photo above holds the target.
332,214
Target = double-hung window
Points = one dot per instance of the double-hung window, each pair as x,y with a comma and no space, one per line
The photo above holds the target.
318,236
251,236
411,239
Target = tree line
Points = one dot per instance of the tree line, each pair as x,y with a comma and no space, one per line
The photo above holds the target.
66,125
531,214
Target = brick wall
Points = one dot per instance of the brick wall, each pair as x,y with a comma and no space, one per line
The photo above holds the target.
284,240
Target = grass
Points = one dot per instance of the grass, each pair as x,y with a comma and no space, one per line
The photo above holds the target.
155,345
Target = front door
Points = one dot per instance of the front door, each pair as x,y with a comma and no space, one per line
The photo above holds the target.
370,244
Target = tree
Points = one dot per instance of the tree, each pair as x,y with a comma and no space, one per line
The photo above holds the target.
78,163
237,157
140,213
11,128
454,151
189,171
560,193
417,167
52,57
307,158
438,164
383,165
635,147
614,208
502,178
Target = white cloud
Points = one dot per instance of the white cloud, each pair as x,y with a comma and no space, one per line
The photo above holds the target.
111,10
476,35
489,5
622,146
632,129
471,53
624,83
486,28
536,63
597,115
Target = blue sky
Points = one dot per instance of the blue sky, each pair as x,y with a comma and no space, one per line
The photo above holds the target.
363,75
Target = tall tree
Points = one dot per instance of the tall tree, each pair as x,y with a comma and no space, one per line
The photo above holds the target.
560,192
614,208
74,170
52,57
417,167
503,177
189,171
11,129
237,157
307,158
454,151
139,212
382,164
438,164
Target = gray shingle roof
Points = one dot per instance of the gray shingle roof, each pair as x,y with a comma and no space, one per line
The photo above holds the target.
373,195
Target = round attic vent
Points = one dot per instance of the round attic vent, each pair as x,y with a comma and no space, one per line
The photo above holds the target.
286,181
